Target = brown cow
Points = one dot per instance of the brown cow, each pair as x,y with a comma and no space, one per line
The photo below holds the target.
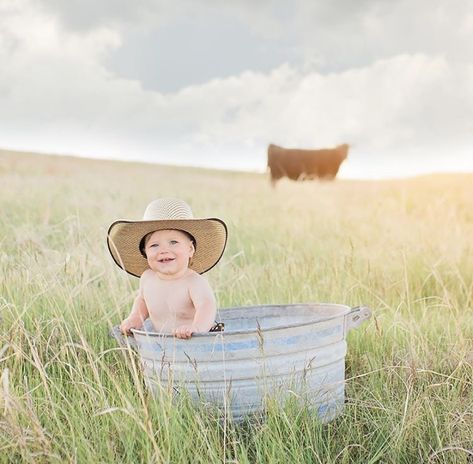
299,164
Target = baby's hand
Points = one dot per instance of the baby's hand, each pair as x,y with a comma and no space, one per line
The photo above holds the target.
130,323
184,331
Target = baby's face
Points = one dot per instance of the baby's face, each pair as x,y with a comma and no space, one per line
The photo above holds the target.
168,252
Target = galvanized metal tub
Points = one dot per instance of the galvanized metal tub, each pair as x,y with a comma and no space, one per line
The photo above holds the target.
269,350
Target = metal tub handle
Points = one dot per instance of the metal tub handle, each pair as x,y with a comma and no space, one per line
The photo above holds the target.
357,316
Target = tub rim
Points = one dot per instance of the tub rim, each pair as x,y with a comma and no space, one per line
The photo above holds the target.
346,310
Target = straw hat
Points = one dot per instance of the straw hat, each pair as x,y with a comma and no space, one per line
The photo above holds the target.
124,237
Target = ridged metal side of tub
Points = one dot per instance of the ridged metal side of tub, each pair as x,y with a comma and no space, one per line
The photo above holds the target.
276,350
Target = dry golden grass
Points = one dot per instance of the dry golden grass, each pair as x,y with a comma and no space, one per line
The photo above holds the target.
403,247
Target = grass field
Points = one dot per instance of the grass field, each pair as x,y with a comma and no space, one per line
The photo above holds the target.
402,247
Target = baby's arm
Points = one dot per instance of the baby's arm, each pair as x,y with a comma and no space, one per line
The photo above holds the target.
139,313
205,306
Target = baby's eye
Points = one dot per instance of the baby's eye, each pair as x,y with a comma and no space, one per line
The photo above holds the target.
173,242
154,245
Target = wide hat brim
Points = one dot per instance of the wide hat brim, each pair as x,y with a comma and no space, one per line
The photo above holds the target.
124,237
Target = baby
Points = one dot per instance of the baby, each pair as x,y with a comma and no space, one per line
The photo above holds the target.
169,250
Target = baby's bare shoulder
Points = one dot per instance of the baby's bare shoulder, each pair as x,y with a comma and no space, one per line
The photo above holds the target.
147,275
195,277
197,281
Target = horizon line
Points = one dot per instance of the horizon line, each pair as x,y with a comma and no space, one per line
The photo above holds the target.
215,168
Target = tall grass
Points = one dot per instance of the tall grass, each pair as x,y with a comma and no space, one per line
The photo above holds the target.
403,247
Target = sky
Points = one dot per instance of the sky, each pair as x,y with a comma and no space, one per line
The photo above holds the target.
209,83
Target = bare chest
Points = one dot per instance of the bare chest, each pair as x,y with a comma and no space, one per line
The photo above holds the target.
168,300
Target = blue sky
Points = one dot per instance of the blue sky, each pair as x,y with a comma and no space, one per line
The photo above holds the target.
209,83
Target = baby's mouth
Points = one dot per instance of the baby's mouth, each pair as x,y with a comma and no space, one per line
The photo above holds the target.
165,260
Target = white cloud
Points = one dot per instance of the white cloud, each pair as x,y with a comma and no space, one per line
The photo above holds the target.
341,34
396,102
